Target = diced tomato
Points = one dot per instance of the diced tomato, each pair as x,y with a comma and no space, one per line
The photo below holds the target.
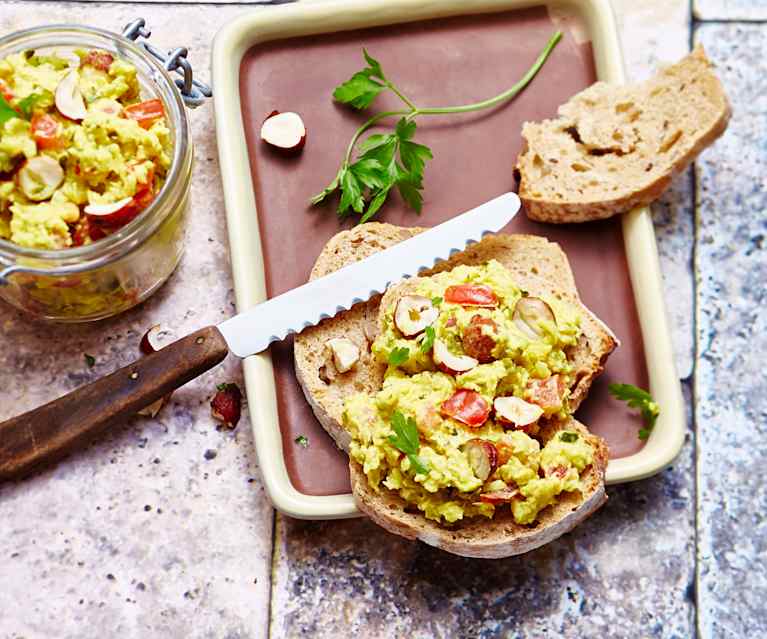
6,91
547,393
501,496
83,230
47,131
145,113
471,295
100,60
467,407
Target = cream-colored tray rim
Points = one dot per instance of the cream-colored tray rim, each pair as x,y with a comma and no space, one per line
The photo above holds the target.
307,18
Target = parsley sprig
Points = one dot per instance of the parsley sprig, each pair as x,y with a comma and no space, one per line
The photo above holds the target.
641,400
406,439
7,112
399,356
394,160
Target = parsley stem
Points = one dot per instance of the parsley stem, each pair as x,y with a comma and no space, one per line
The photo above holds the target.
466,108
506,95
366,126
401,96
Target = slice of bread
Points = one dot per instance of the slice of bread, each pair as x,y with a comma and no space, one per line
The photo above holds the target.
614,148
500,536
324,388
540,267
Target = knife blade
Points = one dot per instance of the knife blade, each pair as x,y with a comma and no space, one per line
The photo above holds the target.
253,330
70,422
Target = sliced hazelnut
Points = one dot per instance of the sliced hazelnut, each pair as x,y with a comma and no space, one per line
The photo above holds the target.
226,405
451,363
69,99
149,341
155,407
501,496
516,411
147,346
413,314
482,456
39,178
284,131
476,341
106,105
529,312
345,353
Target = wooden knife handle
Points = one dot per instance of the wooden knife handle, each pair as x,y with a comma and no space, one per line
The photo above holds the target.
74,420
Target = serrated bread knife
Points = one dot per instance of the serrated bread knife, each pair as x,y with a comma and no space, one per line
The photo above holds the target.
74,420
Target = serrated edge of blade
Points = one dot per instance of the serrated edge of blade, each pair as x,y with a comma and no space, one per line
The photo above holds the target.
345,306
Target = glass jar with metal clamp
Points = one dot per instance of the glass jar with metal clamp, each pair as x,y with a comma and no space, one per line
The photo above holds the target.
112,271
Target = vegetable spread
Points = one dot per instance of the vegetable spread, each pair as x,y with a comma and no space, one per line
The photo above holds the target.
80,154
475,367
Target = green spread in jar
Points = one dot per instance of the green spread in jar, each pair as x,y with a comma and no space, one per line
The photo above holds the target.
81,154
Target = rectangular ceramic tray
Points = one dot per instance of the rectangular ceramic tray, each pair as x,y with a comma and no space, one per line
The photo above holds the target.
261,243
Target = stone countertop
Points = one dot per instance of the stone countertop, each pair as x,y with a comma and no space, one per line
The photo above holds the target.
164,530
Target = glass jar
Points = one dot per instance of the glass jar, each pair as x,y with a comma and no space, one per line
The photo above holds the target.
113,274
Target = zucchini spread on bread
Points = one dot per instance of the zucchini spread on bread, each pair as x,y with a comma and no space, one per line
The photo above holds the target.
475,367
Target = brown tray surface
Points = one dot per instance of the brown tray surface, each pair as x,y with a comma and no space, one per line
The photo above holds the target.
436,63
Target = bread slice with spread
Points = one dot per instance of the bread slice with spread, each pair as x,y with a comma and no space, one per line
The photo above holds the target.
539,266
453,394
614,148
502,535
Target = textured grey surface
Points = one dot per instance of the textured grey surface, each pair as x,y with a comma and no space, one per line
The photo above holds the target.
163,530
141,535
730,9
655,33
628,571
731,388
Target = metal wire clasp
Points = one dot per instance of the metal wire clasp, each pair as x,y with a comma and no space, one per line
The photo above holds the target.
193,91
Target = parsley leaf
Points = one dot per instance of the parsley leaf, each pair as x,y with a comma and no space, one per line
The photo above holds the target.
7,112
364,86
568,437
302,441
436,300
428,340
399,356
642,401
374,67
406,439
89,360
28,104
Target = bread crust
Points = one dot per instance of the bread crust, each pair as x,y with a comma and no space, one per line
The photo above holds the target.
619,182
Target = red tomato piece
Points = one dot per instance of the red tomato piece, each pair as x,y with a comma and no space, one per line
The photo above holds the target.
145,113
547,393
467,407
101,60
46,131
6,91
471,295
